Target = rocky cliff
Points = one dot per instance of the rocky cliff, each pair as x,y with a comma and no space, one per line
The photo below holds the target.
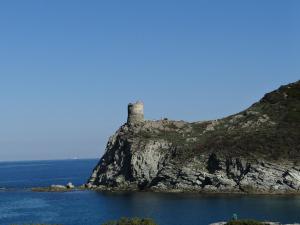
256,150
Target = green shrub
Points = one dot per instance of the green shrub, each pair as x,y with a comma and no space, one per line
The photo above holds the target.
244,222
131,221
122,221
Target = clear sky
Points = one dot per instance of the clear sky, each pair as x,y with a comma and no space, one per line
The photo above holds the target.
69,68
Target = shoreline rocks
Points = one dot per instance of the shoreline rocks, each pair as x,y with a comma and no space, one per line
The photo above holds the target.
56,188
70,185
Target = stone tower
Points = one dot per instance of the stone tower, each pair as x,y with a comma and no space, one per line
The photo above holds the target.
135,112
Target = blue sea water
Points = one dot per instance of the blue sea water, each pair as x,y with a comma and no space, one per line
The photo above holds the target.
20,206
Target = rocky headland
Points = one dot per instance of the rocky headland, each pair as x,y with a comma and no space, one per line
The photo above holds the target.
254,151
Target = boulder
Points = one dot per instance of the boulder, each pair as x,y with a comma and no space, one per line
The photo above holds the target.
70,185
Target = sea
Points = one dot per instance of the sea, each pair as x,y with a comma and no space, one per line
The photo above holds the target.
19,205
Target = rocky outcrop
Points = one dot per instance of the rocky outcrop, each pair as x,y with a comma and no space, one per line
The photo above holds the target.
257,150
56,188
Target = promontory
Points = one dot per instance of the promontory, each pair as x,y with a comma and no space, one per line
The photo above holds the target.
254,151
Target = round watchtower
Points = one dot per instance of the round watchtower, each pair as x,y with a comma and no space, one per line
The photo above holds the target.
135,112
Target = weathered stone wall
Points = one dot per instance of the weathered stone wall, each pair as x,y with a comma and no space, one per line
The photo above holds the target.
135,112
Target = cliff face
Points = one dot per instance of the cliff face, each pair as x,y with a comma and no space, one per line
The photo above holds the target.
257,150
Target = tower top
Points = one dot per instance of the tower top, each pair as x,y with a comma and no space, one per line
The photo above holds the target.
135,112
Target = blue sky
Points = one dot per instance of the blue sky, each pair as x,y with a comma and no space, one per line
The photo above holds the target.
69,68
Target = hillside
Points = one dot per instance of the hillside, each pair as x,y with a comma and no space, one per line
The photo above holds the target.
256,150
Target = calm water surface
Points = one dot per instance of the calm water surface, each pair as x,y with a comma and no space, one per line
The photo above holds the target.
90,208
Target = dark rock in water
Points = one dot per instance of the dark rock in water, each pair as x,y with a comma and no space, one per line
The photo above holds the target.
256,150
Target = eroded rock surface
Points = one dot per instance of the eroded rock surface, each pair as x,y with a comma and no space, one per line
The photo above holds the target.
257,150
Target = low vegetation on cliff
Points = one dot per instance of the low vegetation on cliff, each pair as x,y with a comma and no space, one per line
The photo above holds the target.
131,221
245,222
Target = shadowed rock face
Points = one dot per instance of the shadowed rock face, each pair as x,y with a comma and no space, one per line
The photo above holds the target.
257,150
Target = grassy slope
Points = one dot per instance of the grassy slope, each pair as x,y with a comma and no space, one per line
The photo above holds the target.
269,129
